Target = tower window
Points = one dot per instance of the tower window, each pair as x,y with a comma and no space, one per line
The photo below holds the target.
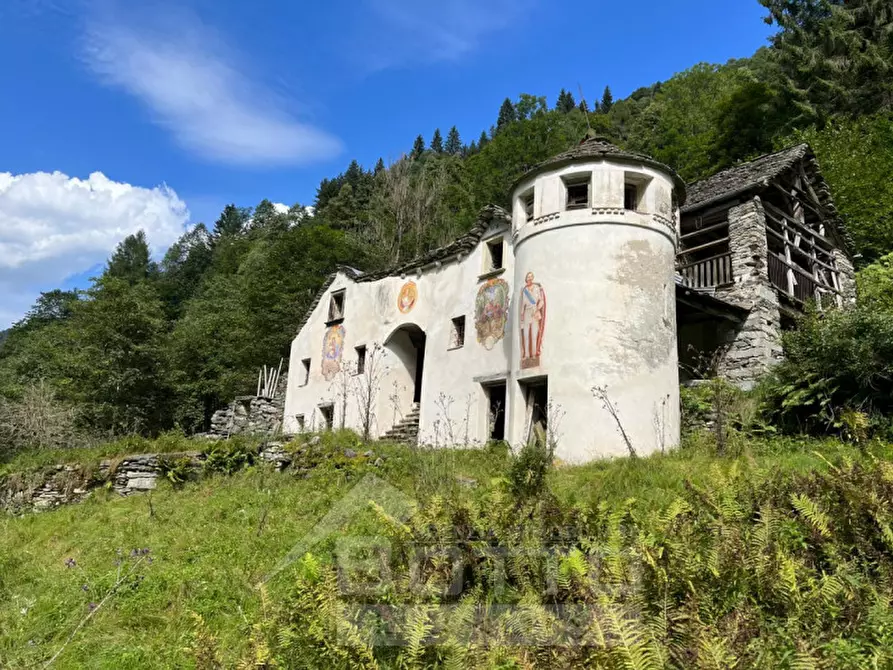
577,192
361,359
527,203
493,256
631,197
457,335
299,419
336,306
306,369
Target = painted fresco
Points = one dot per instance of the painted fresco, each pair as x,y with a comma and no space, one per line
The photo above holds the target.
491,312
332,348
408,296
532,317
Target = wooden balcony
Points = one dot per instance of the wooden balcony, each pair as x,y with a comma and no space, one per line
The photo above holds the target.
708,273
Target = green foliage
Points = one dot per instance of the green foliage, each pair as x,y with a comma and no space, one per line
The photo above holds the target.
177,469
230,456
531,466
437,142
855,157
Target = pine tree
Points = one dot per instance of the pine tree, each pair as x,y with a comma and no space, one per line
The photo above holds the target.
233,219
379,167
607,100
437,142
131,260
483,140
584,107
506,115
453,142
566,102
418,148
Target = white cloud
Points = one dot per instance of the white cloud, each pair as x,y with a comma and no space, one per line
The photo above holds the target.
177,67
441,31
53,226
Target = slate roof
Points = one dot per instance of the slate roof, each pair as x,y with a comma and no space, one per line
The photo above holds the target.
488,216
599,148
740,179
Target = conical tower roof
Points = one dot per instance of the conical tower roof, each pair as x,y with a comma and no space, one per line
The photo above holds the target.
599,148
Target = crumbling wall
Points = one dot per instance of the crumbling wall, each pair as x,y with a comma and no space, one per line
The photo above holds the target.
755,346
251,415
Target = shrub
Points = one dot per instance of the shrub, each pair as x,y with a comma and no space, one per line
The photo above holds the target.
227,457
530,467
838,364
38,420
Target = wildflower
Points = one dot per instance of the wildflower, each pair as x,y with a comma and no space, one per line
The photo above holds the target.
92,606
145,551
70,563
85,588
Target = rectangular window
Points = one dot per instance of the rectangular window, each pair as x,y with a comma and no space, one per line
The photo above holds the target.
577,192
305,364
527,202
300,421
631,197
361,359
328,415
336,306
457,336
493,256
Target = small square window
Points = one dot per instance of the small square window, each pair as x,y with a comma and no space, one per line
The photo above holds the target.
493,256
336,306
457,335
305,364
527,203
631,197
361,359
299,419
328,415
577,193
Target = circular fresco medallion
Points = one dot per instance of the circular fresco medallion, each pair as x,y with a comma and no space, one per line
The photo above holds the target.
407,298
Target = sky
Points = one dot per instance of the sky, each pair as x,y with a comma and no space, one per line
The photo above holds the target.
117,116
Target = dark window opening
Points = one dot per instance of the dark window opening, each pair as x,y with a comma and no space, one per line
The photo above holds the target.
336,306
631,197
496,411
328,415
494,253
300,421
457,336
578,195
361,360
536,399
306,364
527,200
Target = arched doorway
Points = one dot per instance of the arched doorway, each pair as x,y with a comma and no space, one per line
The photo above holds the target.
407,343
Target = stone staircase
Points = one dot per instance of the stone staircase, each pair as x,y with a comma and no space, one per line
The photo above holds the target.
406,430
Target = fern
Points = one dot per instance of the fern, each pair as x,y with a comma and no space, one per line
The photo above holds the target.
810,511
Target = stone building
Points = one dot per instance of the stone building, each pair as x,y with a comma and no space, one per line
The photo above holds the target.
578,311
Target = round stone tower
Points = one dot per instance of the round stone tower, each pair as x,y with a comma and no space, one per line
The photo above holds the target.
594,312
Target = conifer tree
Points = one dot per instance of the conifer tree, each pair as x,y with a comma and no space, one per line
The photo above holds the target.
507,115
437,142
453,142
233,219
584,107
419,147
483,140
607,100
566,102
379,166
131,260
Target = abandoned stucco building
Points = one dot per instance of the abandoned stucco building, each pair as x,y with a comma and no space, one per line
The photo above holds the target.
579,310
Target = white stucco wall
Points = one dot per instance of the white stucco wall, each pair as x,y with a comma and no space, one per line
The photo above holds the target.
610,321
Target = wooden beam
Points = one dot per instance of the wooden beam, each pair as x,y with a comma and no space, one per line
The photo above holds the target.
707,245
716,226
778,235
703,260
801,271
776,212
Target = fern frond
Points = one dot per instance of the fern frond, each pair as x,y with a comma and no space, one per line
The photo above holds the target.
810,511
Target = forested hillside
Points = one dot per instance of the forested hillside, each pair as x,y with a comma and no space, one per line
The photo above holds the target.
152,345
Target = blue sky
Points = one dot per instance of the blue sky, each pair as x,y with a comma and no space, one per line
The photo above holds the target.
182,107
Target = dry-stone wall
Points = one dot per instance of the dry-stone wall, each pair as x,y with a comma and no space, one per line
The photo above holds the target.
251,415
